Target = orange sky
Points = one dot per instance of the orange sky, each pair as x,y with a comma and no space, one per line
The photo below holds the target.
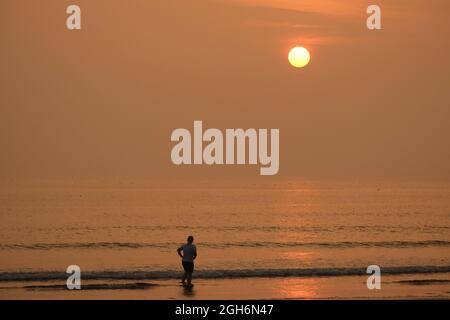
332,7
103,101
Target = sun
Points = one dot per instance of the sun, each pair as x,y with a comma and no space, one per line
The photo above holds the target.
299,57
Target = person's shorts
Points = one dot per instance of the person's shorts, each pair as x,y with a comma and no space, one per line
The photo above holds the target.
188,266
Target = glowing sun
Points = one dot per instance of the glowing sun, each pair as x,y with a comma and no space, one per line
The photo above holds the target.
299,57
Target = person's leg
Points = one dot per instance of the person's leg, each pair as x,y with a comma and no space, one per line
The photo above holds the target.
189,278
185,272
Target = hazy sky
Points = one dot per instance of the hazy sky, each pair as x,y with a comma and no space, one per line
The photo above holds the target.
103,101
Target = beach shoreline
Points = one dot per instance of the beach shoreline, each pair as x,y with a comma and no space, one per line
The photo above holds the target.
417,286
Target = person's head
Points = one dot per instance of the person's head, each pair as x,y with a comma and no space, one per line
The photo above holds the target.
190,239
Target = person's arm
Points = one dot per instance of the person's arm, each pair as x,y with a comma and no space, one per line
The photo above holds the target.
195,253
179,251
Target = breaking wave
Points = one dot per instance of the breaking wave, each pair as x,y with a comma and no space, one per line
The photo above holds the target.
218,273
250,244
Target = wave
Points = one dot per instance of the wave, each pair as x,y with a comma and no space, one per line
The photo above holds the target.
424,282
232,228
101,286
218,273
250,244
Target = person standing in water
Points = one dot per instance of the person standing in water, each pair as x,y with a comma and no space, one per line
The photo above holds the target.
187,259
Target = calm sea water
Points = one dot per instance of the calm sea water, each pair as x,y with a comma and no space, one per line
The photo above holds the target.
291,227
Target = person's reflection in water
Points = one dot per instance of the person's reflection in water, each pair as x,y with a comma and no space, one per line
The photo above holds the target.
188,291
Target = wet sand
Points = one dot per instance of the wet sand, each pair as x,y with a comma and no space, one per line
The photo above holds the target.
431,286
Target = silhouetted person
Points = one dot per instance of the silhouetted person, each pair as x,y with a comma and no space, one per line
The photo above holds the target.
187,259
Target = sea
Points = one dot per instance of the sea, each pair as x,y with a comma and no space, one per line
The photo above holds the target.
124,233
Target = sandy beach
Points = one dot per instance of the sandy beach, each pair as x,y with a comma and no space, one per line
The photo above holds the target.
432,286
